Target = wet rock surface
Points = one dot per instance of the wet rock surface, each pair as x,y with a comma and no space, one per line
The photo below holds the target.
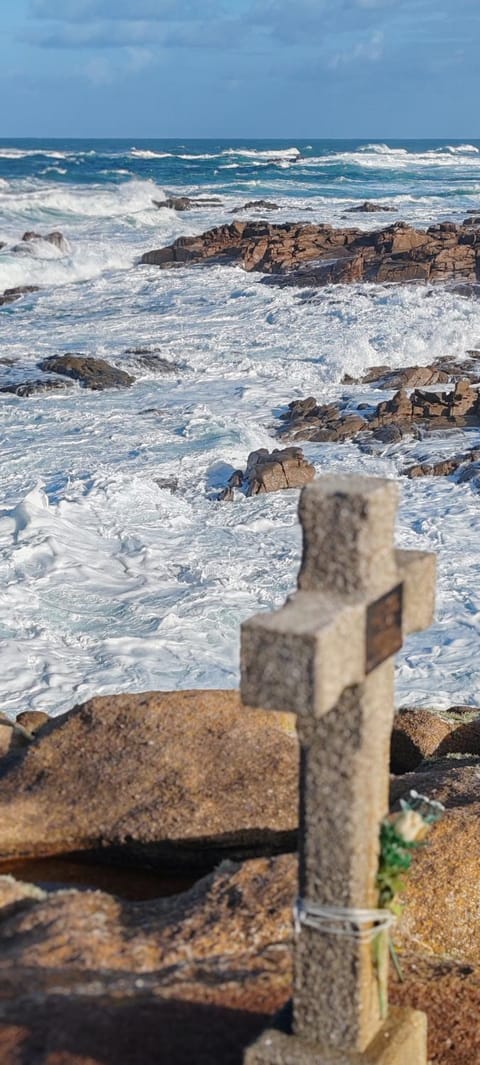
185,203
406,413
368,207
270,471
443,370
10,295
256,205
55,237
465,462
92,373
316,255
151,359
163,778
23,389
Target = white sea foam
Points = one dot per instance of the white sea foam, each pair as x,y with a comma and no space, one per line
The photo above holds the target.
109,581
145,153
131,586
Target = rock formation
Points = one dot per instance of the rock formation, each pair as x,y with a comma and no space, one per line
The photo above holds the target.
406,413
10,295
270,471
182,777
92,373
185,203
314,255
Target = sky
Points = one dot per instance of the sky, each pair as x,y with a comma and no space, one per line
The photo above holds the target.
240,68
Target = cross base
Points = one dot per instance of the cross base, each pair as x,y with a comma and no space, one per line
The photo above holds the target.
401,1039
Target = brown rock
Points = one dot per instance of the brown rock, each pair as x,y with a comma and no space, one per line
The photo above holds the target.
223,914
442,895
416,734
84,978
305,254
32,720
444,467
406,377
196,975
92,373
179,777
449,993
270,471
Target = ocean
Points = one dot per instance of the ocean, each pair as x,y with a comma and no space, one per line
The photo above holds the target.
118,569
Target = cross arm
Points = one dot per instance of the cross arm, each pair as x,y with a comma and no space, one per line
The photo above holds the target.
417,571
300,658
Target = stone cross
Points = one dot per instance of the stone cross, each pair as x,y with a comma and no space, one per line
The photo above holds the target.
328,656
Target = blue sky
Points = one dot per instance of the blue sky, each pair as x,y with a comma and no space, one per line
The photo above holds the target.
240,68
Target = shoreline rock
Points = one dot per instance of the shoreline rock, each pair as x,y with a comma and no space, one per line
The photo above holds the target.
316,255
95,374
10,295
270,472
186,203
164,779
388,421
367,207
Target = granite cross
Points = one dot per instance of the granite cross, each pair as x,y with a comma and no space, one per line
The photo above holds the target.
328,656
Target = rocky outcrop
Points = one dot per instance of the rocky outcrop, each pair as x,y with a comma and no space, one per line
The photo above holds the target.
367,207
179,778
256,205
36,385
442,895
421,733
56,238
445,467
185,203
85,977
92,373
315,255
441,371
10,295
270,472
151,359
388,421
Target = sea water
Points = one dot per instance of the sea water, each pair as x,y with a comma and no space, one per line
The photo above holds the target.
118,569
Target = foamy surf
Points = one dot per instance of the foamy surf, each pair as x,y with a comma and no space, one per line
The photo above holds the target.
118,570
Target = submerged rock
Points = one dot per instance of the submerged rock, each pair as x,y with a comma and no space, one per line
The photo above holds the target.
55,237
179,777
33,387
92,373
257,205
152,360
10,295
185,203
367,207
